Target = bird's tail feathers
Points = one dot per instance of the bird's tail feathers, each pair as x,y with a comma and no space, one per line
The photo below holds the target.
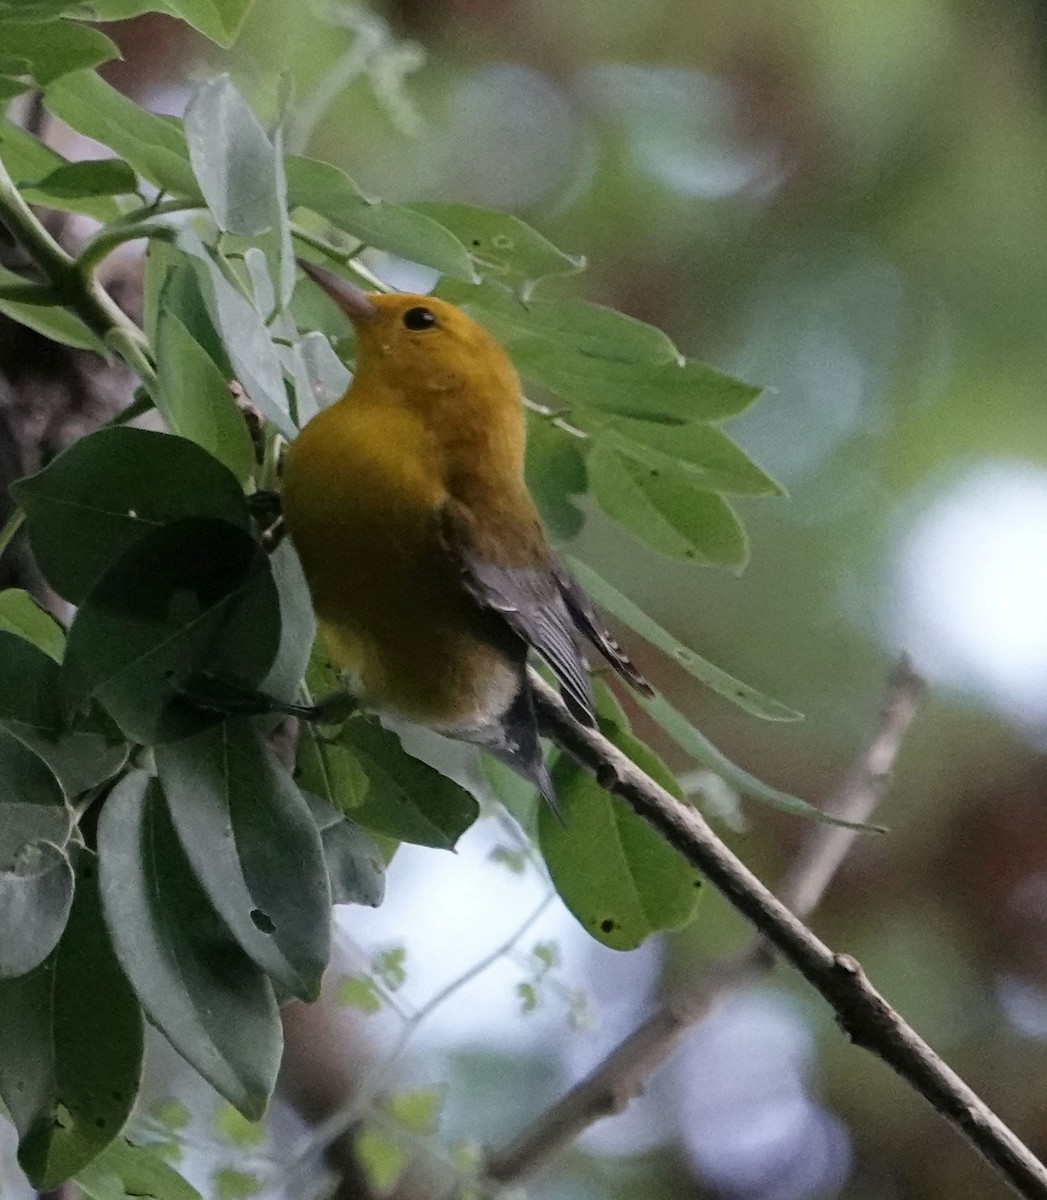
514,741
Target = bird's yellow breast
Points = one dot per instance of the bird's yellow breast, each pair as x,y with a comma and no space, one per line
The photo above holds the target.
363,490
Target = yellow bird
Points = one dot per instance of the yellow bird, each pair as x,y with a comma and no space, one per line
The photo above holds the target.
428,567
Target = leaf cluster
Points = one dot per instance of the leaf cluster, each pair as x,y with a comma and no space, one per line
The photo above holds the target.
158,861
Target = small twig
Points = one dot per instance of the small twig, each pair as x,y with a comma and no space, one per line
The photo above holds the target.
344,1118
623,1073
863,1014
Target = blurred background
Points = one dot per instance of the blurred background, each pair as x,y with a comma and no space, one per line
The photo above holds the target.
847,204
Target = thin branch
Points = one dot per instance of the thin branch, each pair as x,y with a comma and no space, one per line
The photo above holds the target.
862,1013
344,1118
621,1076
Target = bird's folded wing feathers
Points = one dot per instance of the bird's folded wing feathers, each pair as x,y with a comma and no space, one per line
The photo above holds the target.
529,600
543,605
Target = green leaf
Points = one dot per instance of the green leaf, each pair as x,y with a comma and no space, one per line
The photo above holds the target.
51,49
700,668
77,180
667,513
234,1128
195,596
232,158
359,992
684,734
698,452
230,1184
125,1171
10,88
329,770
244,336
297,625
195,399
355,867
418,1110
35,10
503,247
195,983
406,798
619,878
555,472
82,751
330,193
219,20
573,326
253,846
98,498
670,391
35,896
71,1057
22,615
27,158
32,807
154,146
51,320
382,1158
320,375
172,285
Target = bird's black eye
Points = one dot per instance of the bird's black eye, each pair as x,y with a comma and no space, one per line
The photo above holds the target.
419,318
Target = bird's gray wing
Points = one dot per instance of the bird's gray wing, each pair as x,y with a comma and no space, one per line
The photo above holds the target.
529,598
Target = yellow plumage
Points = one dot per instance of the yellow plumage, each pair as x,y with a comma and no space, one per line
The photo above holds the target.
425,557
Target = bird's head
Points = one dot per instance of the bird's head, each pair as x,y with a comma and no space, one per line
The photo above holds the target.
419,345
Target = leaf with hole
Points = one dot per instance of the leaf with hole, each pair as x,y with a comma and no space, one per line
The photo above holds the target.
502,247
71,1056
254,848
195,983
620,879
110,490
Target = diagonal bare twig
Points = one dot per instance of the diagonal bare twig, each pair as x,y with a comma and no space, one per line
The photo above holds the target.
863,1014
623,1073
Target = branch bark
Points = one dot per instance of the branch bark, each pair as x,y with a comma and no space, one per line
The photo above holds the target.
863,1014
621,1076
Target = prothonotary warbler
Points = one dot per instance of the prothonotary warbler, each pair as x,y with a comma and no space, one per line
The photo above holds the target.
429,570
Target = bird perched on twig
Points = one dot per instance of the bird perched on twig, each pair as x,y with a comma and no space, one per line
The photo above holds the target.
427,563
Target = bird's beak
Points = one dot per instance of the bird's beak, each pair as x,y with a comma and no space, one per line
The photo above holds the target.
354,302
